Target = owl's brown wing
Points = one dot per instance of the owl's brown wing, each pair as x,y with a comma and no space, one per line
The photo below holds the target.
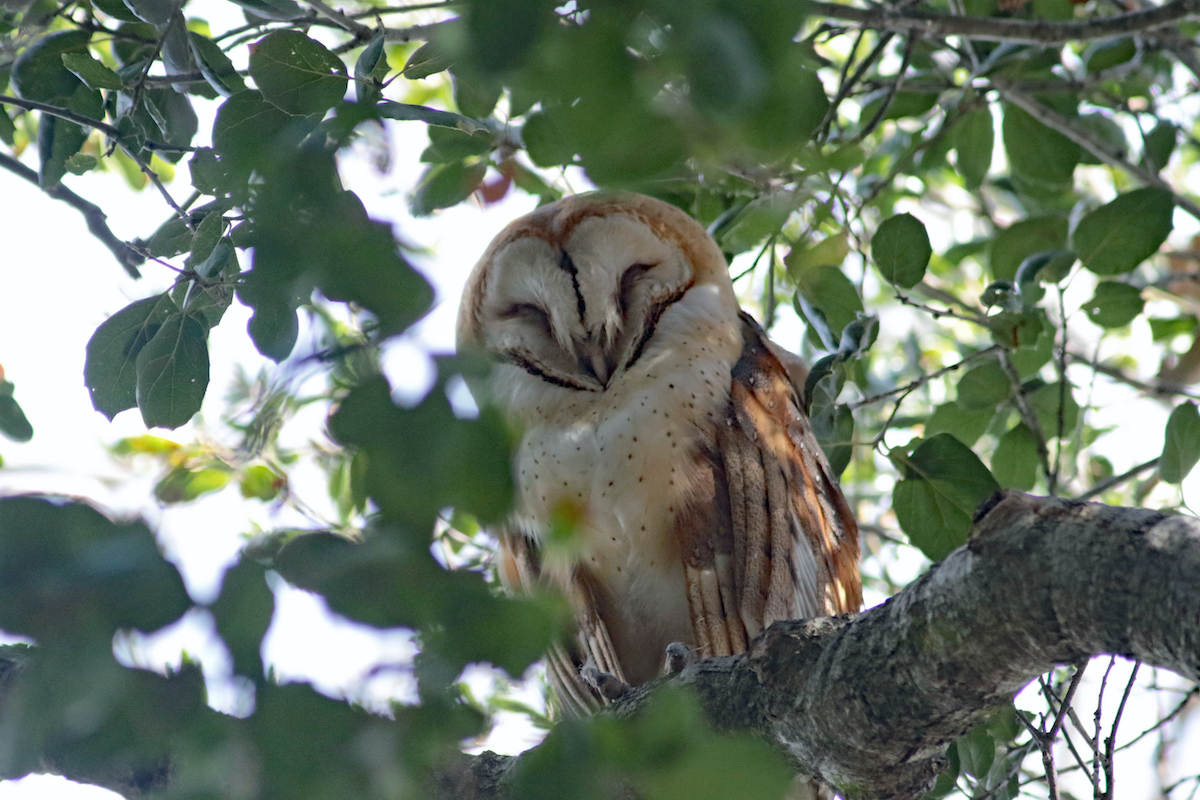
521,570
766,533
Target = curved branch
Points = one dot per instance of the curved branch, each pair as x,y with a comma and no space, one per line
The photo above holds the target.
97,220
1057,122
870,703
1011,30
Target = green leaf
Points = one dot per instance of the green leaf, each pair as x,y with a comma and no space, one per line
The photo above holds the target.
1042,160
829,252
215,66
172,372
282,10
903,104
1108,53
1048,403
446,185
428,59
80,163
1181,446
761,218
1103,129
944,482
1158,145
452,144
38,73
68,576
1121,234
247,127
951,418
156,12
370,70
94,74
423,459
500,34
974,140
1024,238
212,293
407,111
1015,460
58,140
339,249
243,614
475,96
183,485
109,371
13,422
208,233
829,291
901,250
211,174
261,482
976,752
297,74
1167,328
172,238
983,387
1114,304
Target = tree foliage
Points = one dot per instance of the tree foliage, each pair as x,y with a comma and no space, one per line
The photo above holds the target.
979,211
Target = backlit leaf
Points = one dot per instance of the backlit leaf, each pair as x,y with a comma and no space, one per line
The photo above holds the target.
944,482
110,371
1181,446
901,250
172,372
297,74
1114,304
1121,234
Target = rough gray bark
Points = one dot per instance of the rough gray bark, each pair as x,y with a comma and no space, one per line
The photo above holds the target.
870,703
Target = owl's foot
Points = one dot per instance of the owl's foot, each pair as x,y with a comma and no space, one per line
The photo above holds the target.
679,655
608,685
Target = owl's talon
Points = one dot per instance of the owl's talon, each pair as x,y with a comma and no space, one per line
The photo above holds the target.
679,655
608,685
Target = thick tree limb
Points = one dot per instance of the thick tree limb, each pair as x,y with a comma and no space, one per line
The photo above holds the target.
911,21
870,703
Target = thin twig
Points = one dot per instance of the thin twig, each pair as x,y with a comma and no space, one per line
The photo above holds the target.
97,221
923,23
1116,480
939,312
909,46
80,119
361,32
1121,377
924,379
1112,660
1112,735
846,86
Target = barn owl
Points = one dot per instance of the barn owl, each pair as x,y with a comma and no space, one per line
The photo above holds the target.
659,423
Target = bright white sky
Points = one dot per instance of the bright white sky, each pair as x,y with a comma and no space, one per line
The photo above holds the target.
59,284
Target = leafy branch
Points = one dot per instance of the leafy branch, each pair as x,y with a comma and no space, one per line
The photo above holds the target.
923,23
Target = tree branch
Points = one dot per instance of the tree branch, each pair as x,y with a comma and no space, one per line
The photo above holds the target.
924,23
97,220
870,703
1055,121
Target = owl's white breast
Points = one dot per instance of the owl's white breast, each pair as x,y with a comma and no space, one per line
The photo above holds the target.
620,461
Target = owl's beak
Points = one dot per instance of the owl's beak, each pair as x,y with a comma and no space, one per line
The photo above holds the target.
596,360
